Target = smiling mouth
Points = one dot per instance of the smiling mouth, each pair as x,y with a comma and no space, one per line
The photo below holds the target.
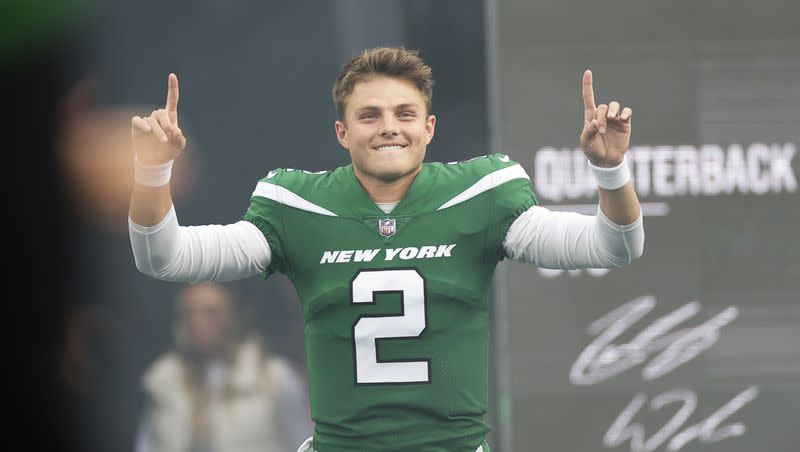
390,147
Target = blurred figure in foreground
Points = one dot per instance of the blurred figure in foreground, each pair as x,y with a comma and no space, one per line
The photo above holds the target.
219,388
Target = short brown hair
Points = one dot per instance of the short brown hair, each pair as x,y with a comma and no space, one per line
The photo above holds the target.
389,61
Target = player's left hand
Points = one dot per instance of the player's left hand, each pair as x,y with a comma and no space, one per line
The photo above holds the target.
606,128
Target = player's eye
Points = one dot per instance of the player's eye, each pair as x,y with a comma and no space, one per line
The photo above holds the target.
368,116
407,114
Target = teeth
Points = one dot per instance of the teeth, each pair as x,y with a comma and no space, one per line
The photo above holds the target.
390,148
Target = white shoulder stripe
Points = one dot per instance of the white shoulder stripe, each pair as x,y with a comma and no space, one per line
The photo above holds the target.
289,198
488,182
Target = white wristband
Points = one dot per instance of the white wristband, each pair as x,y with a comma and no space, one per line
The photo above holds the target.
612,178
151,175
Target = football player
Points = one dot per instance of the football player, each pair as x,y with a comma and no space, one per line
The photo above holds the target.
392,258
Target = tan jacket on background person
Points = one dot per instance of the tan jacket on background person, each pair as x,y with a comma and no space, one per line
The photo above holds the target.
258,405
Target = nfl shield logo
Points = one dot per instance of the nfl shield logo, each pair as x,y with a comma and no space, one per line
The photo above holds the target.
386,227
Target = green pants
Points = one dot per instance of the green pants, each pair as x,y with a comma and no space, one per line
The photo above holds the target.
308,447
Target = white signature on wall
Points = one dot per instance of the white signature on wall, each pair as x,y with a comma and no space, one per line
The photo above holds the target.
661,348
707,431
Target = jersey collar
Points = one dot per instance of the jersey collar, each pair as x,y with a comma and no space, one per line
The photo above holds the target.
413,202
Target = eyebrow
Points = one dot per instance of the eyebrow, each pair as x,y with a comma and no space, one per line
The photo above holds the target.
376,108
403,106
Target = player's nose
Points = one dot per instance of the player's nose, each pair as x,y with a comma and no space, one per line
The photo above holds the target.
389,127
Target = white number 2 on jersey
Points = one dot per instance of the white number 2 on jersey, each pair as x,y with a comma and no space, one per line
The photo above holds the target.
369,329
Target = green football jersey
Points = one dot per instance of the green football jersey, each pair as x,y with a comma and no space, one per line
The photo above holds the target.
395,305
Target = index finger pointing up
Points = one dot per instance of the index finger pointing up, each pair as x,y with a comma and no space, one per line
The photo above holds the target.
588,92
172,94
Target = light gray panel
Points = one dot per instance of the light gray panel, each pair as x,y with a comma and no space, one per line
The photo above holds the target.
722,74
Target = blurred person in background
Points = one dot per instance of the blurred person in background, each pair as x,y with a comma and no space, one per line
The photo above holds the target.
94,155
392,258
219,389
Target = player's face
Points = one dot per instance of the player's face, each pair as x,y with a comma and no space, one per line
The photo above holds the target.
386,128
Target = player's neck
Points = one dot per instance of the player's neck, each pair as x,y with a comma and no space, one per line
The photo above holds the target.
386,191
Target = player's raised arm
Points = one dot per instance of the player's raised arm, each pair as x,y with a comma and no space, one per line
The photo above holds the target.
612,238
605,138
157,141
161,247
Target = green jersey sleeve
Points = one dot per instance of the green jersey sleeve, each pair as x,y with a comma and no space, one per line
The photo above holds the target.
511,199
267,215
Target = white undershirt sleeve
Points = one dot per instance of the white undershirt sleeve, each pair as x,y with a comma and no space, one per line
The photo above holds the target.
172,252
569,240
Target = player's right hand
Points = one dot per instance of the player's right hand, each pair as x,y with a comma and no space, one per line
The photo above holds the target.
157,138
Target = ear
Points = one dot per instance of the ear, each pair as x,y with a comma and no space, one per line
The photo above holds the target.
341,134
430,127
